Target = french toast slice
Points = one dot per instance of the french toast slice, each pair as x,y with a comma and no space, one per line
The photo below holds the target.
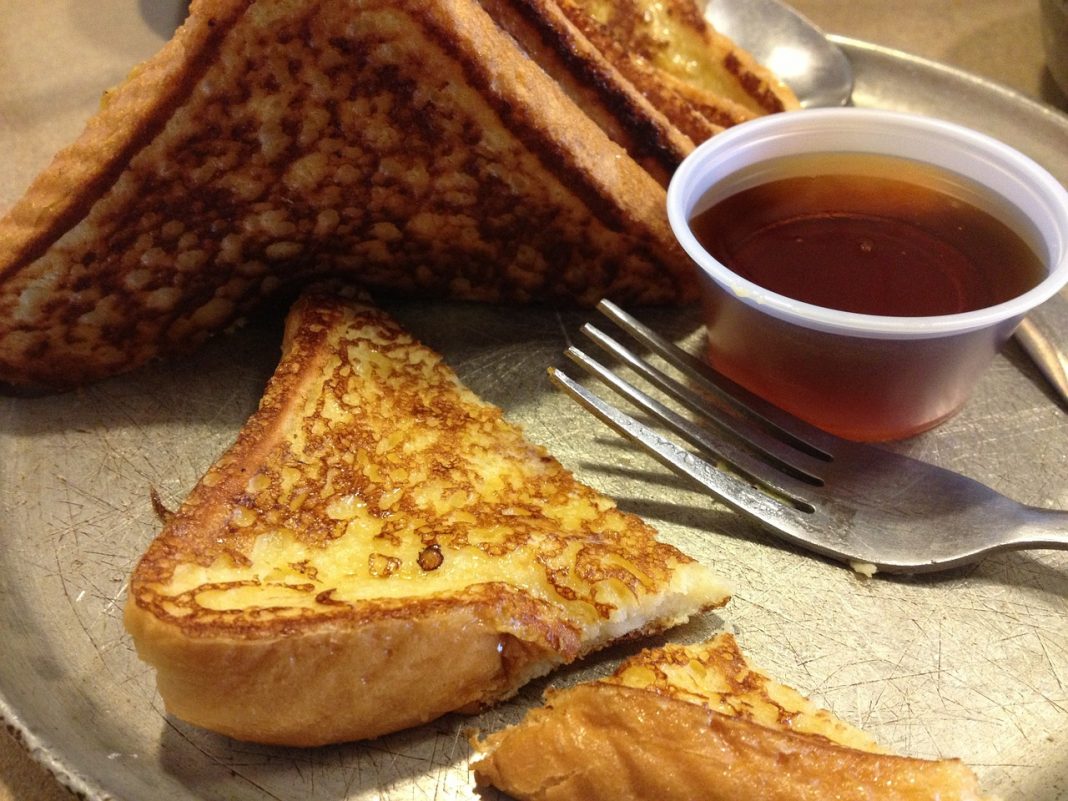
684,722
380,547
410,145
500,150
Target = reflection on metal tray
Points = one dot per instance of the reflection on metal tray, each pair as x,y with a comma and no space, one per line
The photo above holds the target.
972,664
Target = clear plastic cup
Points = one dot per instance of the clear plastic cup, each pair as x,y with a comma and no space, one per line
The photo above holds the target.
864,377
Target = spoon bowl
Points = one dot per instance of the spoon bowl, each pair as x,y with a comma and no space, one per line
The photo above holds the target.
790,46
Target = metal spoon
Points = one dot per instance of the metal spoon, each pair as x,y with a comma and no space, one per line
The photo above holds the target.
819,73
789,45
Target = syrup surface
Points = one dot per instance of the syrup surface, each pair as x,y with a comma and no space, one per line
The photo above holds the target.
869,234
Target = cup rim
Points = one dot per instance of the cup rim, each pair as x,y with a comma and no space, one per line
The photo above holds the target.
786,130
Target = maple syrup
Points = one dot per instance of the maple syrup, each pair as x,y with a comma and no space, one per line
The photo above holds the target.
870,234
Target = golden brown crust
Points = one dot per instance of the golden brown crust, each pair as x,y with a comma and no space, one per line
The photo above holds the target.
374,508
129,117
622,40
672,54
411,146
598,742
683,722
647,131
338,683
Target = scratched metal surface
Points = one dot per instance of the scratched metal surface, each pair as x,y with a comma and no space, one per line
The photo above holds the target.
972,664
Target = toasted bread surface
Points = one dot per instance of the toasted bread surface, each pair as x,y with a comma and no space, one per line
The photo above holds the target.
663,45
588,73
410,146
372,516
685,722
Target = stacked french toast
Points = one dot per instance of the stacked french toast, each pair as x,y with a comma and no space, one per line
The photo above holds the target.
495,150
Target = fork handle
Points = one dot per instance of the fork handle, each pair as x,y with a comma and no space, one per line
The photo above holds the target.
1041,528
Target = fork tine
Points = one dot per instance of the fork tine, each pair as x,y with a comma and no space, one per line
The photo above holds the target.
781,425
723,451
778,454
732,490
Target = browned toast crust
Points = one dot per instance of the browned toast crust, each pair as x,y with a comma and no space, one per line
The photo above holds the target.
128,119
372,515
672,54
680,723
409,146
337,683
602,742
586,72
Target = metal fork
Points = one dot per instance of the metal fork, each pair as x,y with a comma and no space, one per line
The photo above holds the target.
857,503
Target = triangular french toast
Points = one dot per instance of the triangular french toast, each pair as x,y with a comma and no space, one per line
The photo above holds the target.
683,722
415,146
380,547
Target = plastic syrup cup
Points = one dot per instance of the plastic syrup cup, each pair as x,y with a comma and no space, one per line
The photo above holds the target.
862,376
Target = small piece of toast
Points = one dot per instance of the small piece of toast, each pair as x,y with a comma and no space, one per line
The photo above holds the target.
380,547
687,722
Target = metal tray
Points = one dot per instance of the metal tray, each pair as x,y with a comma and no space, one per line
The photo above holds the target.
971,664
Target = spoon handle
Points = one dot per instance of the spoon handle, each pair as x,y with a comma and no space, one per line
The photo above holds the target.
1047,356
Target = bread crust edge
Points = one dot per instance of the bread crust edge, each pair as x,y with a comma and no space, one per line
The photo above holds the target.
601,741
130,114
337,683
